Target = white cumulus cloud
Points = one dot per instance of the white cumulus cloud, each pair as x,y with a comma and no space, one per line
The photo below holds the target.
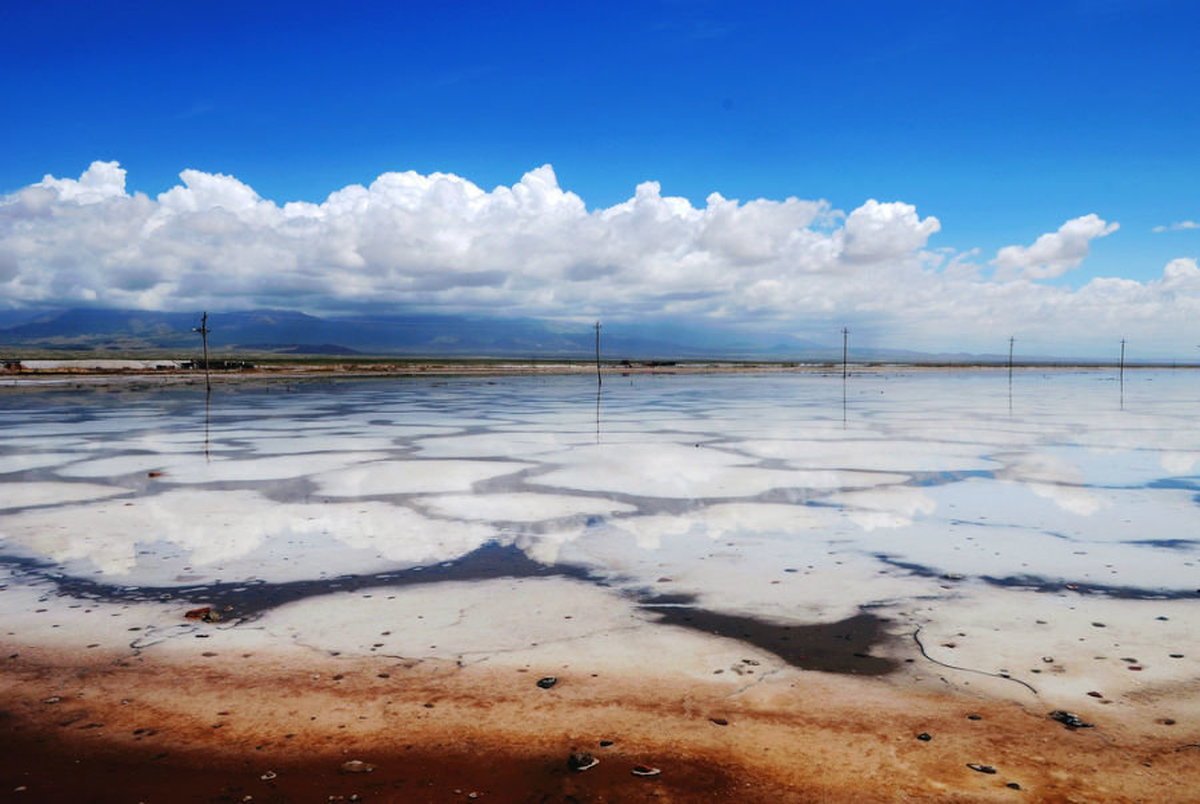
1054,253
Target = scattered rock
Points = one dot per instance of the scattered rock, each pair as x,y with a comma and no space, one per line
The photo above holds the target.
205,614
1013,786
720,721
268,776
1071,721
357,766
547,682
581,761
981,768
1099,625
974,717
924,736
645,770
53,699
1095,694
605,743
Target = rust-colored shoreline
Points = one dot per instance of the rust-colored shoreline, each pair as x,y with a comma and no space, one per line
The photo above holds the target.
211,727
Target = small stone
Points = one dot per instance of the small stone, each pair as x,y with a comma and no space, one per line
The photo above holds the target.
1099,625
268,776
974,717
357,766
981,768
605,743
644,770
581,761
53,699
1135,667
924,737
1095,694
1013,786
547,682
720,721
1071,721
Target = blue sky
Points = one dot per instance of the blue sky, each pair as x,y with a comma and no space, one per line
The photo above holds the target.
1003,121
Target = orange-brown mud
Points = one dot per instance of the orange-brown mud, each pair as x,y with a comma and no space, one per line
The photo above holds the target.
258,727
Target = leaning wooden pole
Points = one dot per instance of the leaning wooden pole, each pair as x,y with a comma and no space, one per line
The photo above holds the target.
203,330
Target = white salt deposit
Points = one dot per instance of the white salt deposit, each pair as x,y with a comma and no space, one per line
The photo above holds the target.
410,477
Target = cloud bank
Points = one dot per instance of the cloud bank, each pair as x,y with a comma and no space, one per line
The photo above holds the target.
439,242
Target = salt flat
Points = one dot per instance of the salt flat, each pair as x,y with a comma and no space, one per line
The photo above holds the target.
894,550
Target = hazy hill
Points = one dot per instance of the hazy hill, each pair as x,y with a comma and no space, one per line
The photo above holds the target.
416,334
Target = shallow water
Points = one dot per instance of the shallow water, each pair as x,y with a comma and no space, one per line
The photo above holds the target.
1008,517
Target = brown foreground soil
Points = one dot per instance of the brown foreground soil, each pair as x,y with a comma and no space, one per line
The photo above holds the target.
243,727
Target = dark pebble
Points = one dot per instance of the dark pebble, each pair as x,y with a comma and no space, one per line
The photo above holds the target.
974,717
924,737
1099,625
1176,655
981,768
1013,786
720,721
547,682
605,743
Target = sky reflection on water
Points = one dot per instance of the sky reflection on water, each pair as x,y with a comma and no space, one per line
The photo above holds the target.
752,473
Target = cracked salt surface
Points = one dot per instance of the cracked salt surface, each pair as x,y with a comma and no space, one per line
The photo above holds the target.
774,499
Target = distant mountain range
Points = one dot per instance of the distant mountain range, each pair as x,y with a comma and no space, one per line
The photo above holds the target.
411,335
417,335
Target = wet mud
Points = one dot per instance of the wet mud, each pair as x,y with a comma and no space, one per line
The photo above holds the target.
292,727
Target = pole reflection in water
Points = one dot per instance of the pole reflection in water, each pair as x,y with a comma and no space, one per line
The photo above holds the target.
207,418
843,401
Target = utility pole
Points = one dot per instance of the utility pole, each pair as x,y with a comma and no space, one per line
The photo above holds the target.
1010,353
599,381
204,330
1122,374
845,341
